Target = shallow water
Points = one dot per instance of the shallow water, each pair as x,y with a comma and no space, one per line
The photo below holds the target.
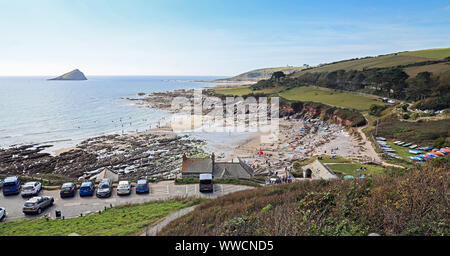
63,113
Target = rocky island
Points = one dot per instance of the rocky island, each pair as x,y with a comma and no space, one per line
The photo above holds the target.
72,75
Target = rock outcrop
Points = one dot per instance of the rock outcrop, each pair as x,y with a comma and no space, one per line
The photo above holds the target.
72,75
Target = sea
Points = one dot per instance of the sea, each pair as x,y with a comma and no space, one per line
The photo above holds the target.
34,110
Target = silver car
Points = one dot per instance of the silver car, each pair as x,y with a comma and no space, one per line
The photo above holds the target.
37,204
2,213
124,188
31,189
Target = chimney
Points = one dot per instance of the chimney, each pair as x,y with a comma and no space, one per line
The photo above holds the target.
184,157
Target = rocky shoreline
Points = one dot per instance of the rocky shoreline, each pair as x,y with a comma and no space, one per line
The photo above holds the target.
154,154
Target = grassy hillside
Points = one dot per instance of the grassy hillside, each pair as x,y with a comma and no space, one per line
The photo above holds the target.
259,74
399,202
390,60
440,53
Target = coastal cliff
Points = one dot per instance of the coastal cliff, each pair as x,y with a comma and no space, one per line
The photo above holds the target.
72,75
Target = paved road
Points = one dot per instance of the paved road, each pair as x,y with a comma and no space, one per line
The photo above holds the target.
72,207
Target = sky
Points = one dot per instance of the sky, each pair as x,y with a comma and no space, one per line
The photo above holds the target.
208,37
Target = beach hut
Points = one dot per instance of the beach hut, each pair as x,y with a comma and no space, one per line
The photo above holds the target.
445,149
428,148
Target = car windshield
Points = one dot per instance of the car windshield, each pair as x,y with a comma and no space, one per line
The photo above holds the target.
123,186
9,184
205,181
29,204
66,189
28,187
103,186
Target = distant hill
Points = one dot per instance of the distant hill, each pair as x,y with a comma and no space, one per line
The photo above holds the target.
260,74
72,75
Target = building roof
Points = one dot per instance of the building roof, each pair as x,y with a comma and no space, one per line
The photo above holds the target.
230,170
197,165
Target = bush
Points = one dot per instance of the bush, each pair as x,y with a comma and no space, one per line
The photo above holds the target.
406,202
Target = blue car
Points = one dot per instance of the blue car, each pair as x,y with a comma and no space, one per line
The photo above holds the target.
87,189
68,190
11,185
142,186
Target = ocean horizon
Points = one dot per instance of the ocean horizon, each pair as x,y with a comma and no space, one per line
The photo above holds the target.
34,110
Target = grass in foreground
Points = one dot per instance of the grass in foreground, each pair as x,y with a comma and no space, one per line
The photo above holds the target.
399,202
117,221
331,97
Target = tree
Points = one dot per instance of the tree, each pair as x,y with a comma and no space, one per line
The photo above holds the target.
277,75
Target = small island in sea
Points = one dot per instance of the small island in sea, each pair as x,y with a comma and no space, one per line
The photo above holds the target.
72,75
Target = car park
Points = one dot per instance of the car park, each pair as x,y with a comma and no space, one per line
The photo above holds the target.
104,188
31,189
11,185
37,204
2,213
68,190
142,186
124,188
87,189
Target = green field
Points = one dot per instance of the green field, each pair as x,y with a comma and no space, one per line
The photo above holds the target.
243,90
331,97
117,221
440,53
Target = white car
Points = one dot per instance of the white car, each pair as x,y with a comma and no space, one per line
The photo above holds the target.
31,189
124,188
2,213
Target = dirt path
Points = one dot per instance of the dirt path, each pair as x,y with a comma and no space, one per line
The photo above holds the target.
370,150
155,229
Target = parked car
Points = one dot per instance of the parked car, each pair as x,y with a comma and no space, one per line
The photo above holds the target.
37,204
87,189
11,185
2,213
206,183
105,188
31,189
68,190
124,188
142,186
